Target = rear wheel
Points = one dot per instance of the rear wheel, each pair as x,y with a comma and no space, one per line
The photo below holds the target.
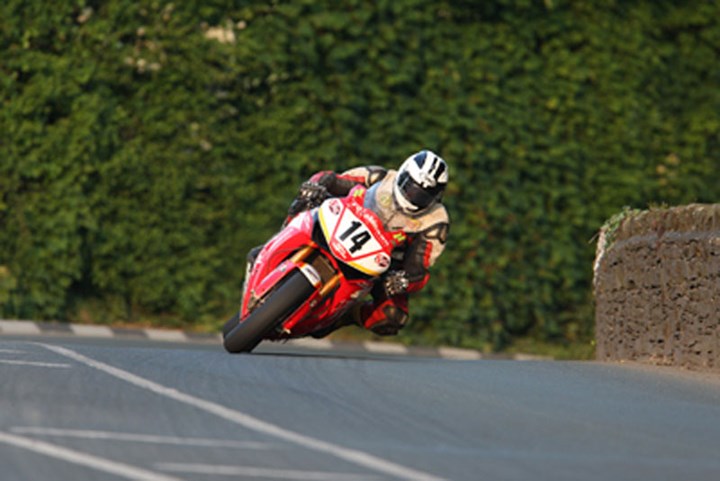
279,304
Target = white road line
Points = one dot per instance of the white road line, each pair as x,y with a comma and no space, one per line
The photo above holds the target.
11,351
33,363
84,459
140,438
357,457
255,473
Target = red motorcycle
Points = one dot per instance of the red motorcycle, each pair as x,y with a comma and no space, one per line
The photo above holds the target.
310,273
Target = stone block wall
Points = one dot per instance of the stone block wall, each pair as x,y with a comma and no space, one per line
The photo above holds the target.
657,287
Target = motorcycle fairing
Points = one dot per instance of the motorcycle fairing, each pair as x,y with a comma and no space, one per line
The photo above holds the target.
353,235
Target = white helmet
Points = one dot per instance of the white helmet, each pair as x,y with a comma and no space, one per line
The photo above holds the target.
420,182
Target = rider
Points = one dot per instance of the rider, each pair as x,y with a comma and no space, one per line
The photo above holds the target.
406,199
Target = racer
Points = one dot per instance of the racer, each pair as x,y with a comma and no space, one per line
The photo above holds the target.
407,199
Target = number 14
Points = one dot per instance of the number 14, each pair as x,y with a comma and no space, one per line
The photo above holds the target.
358,240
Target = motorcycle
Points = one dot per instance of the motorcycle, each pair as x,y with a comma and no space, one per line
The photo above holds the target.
312,272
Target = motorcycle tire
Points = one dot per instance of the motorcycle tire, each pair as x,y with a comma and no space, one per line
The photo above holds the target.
279,304
230,324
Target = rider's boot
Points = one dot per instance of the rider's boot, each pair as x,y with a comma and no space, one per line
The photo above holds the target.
351,318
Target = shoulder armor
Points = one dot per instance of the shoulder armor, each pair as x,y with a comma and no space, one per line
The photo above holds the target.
375,174
438,231
366,175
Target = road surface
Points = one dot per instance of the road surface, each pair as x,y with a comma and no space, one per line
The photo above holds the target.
86,409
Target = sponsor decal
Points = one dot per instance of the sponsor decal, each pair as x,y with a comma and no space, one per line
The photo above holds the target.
382,260
335,206
339,248
374,224
399,237
311,274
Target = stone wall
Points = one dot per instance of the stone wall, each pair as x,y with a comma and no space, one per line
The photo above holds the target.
657,287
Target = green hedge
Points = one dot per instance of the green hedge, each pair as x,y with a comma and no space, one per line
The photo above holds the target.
146,146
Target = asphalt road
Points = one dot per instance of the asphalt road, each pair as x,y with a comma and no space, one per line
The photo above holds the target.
75,409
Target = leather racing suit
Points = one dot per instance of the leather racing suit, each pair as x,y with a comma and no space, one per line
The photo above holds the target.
427,234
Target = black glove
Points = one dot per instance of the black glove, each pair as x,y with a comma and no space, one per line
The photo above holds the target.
396,283
311,195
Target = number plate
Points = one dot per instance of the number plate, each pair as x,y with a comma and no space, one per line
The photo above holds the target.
354,235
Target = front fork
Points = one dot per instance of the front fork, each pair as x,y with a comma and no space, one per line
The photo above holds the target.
297,260
313,276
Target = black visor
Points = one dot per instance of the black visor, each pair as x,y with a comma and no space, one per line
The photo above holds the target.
415,193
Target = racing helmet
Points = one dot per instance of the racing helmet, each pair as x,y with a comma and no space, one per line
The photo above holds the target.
420,182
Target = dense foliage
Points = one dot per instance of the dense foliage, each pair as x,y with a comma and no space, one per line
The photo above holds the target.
146,146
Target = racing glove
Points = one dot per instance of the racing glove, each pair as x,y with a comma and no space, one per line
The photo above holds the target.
311,195
396,283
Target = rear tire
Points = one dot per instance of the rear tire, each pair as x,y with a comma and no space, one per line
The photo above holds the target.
280,303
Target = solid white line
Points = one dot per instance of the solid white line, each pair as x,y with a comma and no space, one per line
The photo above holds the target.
84,459
33,363
10,351
255,473
140,438
359,458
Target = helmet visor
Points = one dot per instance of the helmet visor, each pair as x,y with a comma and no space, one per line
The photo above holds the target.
416,194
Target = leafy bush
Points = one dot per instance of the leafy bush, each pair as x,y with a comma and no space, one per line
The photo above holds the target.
147,146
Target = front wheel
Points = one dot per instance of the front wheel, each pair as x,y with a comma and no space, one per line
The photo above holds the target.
230,324
280,303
